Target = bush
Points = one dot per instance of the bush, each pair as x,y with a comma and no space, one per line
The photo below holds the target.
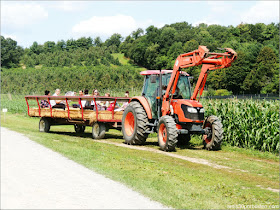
222,92
210,92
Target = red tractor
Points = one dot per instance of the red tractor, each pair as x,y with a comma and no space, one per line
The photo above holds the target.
168,108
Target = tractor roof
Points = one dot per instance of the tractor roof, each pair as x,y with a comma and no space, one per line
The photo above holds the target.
149,72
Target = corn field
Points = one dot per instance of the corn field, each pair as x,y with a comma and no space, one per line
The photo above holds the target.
247,123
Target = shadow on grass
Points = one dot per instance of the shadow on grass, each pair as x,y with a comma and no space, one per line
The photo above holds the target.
190,146
108,136
86,135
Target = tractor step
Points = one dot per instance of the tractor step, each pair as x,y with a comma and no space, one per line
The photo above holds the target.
153,124
183,131
149,131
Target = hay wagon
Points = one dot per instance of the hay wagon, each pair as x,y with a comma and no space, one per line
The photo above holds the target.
100,120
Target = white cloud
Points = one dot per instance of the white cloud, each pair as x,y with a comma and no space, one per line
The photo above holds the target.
262,12
17,14
106,26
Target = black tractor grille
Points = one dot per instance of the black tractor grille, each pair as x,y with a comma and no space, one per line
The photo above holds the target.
192,116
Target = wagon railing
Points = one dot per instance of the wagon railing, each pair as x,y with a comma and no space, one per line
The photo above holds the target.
79,99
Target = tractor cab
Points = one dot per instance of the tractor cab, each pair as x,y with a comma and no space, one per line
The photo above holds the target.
152,84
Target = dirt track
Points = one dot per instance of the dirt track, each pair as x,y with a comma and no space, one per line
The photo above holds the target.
34,177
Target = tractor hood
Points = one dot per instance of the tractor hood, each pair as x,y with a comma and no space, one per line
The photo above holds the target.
188,110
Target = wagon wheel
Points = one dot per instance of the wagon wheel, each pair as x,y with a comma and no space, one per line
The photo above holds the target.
44,124
79,128
98,130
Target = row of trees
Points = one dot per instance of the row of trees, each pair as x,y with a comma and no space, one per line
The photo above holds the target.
254,71
36,81
93,56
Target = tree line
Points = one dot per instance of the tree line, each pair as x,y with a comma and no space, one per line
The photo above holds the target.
103,78
254,71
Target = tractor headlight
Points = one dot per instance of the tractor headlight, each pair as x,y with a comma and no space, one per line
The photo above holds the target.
192,110
202,110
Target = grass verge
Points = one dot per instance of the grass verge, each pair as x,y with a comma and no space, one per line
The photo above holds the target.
173,182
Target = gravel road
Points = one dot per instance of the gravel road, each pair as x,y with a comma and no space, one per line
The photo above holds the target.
34,177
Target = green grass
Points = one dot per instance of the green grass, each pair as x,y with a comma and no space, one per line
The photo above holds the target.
123,60
126,61
173,182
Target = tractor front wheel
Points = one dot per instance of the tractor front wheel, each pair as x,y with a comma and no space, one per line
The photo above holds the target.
134,124
167,133
213,138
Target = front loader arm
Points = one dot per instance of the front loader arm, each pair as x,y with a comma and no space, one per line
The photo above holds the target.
196,58
217,61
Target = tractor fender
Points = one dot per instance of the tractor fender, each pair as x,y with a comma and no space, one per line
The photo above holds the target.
143,101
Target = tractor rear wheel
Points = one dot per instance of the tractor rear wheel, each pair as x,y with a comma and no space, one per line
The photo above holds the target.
214,138
134,124
79,128
98,130
44,124
167,133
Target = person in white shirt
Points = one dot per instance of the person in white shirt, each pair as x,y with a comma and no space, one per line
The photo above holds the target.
81,93
98,103
57,103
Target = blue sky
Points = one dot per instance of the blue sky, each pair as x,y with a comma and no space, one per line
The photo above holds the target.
29,21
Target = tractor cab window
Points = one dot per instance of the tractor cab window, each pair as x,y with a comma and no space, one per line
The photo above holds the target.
151,86
150,91
183,88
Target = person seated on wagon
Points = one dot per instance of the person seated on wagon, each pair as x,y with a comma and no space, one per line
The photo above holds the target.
106,104
88,103
45,103
110,105
98,103
124,105
81,93
57,103
83,102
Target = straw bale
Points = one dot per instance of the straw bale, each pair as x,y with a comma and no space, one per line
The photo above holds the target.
76,113
45,112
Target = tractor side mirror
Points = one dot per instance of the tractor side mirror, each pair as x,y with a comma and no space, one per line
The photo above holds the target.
153,78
